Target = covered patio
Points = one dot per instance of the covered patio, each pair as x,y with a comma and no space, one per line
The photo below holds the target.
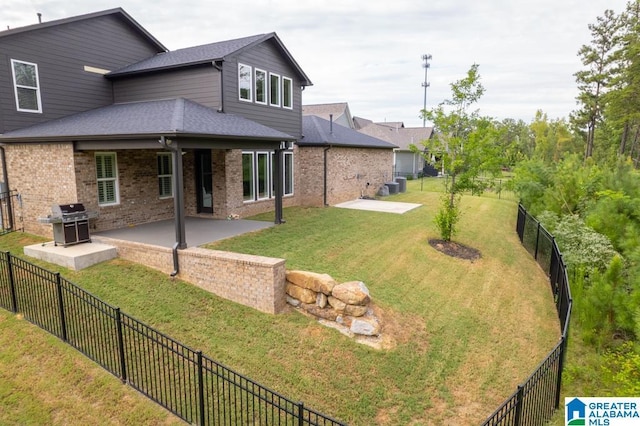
198,231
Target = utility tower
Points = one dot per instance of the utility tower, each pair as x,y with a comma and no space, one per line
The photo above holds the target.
426,58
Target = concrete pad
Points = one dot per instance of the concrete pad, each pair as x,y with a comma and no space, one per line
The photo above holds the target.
378,206
76,257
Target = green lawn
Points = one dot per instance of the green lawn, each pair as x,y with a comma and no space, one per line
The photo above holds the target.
465,333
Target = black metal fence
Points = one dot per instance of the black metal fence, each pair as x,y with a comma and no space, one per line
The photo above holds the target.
10,202
181,379
535,401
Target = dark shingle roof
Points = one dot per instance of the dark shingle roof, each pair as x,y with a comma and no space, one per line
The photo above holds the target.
403,137
317,132
189,56
204,54
163,117
119,12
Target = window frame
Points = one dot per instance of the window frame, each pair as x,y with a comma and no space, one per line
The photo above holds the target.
252,179
114,178
265,88
278,89
284,97
284,171
240,80
164,176
266,175
17,86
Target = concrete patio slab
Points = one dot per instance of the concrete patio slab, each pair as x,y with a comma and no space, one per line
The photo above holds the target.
76,257
378,206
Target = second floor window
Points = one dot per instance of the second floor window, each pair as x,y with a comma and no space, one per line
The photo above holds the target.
274,89
26,86
261,86
244,82
287,92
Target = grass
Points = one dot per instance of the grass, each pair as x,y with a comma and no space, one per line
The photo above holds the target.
466,333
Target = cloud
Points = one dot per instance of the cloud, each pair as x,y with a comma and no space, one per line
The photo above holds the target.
369,53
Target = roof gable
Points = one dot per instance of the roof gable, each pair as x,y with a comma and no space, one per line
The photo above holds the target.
206,53
119,12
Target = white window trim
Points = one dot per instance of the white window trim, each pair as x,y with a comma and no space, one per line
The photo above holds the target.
290,92
166,154
253,175
266,86
250,83
256,169
16,86
284,175
115,179
278,87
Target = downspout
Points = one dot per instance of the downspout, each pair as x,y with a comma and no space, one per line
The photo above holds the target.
5,179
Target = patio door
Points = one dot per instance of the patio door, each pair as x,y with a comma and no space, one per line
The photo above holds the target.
204,181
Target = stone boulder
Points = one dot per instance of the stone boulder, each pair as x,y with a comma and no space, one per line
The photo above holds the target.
366,326
320,283
336,304
302,294
352,293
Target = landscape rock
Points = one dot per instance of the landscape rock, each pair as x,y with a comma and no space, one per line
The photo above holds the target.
352,293
355,310
326,313
320,283
336,304
293,302
302,294
321,300
367,326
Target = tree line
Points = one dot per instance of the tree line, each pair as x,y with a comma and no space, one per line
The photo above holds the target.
580,176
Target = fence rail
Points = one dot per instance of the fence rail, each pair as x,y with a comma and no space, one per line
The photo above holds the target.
183,380
535,401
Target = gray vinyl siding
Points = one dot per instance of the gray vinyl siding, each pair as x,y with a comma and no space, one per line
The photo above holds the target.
199,84
61,53
265,56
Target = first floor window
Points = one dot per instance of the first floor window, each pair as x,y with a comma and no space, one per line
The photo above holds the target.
248,184
26,86
288,173
107,177
244,82
257,172
165,175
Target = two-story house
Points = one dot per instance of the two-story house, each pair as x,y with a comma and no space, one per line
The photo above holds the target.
95,110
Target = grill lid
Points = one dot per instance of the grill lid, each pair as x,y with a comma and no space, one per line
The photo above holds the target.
59,210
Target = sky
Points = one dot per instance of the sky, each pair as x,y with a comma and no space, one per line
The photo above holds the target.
369,53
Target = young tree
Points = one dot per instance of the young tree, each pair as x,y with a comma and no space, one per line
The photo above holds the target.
464,146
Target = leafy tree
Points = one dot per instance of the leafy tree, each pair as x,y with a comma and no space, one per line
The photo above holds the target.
464,144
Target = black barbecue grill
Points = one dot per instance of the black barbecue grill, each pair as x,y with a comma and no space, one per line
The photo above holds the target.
70,223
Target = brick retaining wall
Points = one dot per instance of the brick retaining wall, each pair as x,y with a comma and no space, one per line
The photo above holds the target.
254,281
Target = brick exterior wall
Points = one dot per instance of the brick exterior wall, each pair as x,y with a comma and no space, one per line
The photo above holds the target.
351,173
46,174
43,174
254,281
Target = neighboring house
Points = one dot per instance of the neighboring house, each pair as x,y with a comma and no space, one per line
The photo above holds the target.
406,162
94,110
339,164
338,111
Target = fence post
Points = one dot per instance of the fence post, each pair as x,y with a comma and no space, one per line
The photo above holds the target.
300,413
63,320
123,367
537,241
519,401
563,349
12,286
200,389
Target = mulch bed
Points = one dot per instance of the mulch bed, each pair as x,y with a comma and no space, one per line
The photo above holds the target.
454,249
